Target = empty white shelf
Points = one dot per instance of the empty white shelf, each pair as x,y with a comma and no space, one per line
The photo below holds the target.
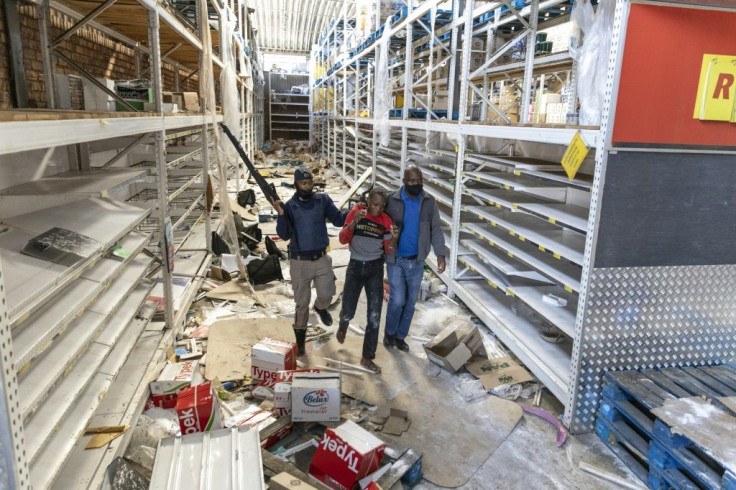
563,273
567,215
504,262
559,242
562,317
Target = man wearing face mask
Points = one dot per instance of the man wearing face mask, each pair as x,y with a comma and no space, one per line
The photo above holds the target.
302,221
415,213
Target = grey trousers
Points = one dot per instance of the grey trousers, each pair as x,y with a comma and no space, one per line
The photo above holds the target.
303,272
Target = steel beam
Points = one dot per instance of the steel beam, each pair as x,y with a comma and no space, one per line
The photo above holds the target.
18,91
81,23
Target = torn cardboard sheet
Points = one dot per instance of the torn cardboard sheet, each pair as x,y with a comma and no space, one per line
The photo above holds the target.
104,435
497,372
397,423
230,341
237,291
246,214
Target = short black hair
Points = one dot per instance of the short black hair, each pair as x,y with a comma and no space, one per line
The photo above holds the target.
375,191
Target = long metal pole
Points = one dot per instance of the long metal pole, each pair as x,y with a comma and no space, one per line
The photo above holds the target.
163,186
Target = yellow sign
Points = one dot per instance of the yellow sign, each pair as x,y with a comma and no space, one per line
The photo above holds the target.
574,156
716,89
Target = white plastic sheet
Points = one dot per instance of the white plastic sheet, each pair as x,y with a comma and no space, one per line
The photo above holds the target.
382,90
592,56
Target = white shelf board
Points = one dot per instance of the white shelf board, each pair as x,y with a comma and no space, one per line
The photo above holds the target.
568,215
36,335
442,184
503,262
564,274
51,458
493,279
502,197
440,196
582,182
94,183
508,180
516,163
50,133
561,317
31,281
559,242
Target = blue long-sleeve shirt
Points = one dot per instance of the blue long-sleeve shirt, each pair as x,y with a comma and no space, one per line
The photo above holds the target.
308,233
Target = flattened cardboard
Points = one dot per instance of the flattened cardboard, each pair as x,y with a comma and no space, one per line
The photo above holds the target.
285,481
397,422
497,372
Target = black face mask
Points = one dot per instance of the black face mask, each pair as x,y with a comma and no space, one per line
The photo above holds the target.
414,190
304,195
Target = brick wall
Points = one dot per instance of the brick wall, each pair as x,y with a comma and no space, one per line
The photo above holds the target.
91,49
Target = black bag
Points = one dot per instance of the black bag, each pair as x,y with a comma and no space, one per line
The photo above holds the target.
252,236
272,249
219,246
262,271
247,197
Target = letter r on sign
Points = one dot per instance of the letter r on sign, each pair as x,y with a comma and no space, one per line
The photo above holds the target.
723,86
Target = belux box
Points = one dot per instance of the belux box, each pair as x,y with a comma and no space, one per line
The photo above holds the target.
315,397
164,401
265,389
198,409
455,345
269,356
345,455
175,376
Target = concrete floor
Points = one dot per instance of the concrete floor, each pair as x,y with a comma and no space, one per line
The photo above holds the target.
529,457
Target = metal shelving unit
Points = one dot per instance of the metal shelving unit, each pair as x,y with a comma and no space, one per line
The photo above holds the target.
73,346
522,235
288,110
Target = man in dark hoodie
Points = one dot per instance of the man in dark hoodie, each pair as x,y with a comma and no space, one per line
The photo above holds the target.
302,221
415,213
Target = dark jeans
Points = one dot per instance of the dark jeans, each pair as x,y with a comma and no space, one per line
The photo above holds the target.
368,275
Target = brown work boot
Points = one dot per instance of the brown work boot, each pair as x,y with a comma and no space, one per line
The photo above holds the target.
370,365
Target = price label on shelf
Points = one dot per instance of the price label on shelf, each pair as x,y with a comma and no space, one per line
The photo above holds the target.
574,156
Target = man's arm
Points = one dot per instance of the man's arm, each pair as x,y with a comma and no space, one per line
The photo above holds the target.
333,214
346,234
438,238
283,230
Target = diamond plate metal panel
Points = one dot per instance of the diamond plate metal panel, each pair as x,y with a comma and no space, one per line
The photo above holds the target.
652,317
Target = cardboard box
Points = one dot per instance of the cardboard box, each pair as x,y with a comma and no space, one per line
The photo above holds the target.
176,376
269,356
95,99
164,401
345,455
189,101
497,372
315,397
167,107
265,389
198,409
285,481
455,345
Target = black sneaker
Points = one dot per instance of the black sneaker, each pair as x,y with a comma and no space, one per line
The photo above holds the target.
401,345
325,316
389,341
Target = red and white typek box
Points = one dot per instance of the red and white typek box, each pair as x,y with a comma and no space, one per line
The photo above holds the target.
269,356
345,455
198,409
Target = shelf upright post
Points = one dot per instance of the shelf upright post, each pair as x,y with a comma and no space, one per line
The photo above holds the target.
46,58
408,78
11,424
529,62
461,138
453,62
356,111
310,107
487,85
201,23
160,149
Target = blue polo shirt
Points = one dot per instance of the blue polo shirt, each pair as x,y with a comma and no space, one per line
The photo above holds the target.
409,235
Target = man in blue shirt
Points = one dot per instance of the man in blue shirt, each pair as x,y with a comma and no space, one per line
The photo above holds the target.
415,213
302,221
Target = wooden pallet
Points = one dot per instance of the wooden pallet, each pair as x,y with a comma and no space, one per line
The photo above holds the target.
646,444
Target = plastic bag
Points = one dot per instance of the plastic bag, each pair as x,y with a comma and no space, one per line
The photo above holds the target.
592,57
382,90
